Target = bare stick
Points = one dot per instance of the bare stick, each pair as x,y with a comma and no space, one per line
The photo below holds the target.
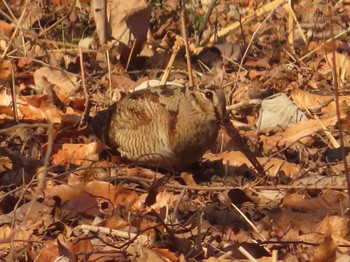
205,20
290,24
109,76
13,94
261,11
247,254
41,33
14,33
10,11
86,94
298,25
177,45
130,55
345,32
99,9
184,36
108,231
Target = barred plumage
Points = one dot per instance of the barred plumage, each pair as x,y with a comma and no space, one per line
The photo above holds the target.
166,126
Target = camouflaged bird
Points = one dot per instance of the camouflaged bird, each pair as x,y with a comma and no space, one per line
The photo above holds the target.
165,126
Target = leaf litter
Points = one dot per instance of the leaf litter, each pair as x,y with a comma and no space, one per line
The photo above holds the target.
285,71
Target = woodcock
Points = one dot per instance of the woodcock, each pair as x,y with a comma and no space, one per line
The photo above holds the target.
164,126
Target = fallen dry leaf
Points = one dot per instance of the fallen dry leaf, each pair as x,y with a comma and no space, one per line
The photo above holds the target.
128,22
337,227
342,63
324,104
8,235
78,153
5,28
35,108
332,200
326,251
48,253
273,166
116,195
5,70
65,196
64,84
301,132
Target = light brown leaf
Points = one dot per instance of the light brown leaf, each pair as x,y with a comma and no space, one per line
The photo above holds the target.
48,253
5,70
64,84
5,28
21,235
64,192
35,108
115,222
305,99
74,197
337,226
328,202
301,132
342,63
295,223
273,166
326,252
144,254
128,22
78,154
115,194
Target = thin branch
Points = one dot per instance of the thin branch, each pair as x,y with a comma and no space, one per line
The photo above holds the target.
205,20
86,93
185,38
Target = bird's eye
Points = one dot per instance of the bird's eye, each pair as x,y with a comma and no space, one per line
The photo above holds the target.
208,95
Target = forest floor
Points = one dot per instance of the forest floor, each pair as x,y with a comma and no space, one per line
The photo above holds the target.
64,196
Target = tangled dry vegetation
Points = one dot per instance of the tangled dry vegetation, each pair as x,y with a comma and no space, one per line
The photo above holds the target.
284,69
